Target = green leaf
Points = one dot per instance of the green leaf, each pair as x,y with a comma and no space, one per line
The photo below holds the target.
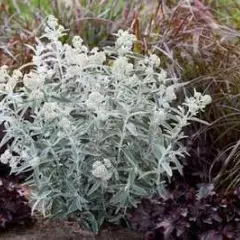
132,129
61,99
70,186
116,219
72,207
143,175
159,151
138,190
78,203
167,168
131,159
94,188
101,218
91,221
118,198
199,120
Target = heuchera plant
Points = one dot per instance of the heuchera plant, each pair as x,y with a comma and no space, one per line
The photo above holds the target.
103,132
189,214
14,208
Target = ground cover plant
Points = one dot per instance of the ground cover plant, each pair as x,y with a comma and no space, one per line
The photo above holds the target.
105,130
189,214
14,208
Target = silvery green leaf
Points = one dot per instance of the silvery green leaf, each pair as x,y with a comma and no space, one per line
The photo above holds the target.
94,188
91,220
72,207
132,129
116,218
6,138
199,120
118,198
136,190
145,174
78,203
101,218
178,165
158,151
131,159
167,168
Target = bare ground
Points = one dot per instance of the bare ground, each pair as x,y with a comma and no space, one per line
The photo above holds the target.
50,230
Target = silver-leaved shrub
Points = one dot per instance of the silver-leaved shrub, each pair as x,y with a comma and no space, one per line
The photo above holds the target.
99,129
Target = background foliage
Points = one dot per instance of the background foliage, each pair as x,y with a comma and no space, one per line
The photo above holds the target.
189,214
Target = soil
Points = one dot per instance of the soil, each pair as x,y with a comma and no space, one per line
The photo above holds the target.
61,230
53,230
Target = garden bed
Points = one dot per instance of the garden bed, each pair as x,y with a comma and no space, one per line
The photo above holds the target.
40,228
46,229
114,113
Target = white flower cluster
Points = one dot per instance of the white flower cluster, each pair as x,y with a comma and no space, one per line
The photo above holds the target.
102,170
96,102
65,124
154,60
82,56
149,64
4,74
50,110
7,82
121,67
166,95
77,43
97,57
124,42
8,158
159,116
197,102
53,30
33,81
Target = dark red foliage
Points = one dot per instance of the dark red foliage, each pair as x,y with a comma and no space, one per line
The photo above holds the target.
5,168
189,214
14,208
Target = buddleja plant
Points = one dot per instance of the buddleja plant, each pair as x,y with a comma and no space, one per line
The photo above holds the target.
97,128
